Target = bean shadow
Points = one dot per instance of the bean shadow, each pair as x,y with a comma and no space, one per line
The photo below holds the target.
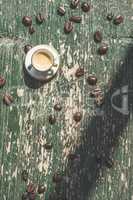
100,138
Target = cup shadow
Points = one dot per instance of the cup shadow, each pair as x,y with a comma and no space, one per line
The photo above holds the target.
100,138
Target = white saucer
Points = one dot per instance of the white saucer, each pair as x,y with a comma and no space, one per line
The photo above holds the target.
43,75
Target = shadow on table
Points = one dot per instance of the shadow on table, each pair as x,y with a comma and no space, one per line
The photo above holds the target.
99,139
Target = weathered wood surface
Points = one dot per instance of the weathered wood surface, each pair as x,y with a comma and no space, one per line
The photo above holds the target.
24,125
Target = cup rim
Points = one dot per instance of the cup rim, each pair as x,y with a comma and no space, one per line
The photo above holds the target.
47,52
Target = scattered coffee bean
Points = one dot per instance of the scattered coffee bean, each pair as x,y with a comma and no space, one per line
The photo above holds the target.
39,18
27,48
85,7
118,20
76,19
79,72
48,146
25,175
68,27
31,30
92,80
110,17
2,81
52,119
99,100
41,189
103,49
7,99
98,36
77,116
74,4
58,107
61,11
57,178
27,21
96,92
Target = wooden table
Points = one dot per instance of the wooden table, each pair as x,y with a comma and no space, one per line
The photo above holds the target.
24,125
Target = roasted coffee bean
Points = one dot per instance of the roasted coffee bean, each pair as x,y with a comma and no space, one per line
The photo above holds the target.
2,81
98,36
99,100
58,107
92,80
27,48
96,92
61,11
74,4
27,21
57,178
103,49
76,19
7,99
31,30
85,7
68,27
118,20
25,175
39,18
110,17
48,146
79,72
41,189
52,119
77,117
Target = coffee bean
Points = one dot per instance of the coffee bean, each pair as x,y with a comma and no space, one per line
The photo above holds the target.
48,146
27,21
2,81
110,17
74,4
96,92
92,80
98,36
61,11
79,72
7,99
25,175
31,30
77,116
57,107
103,49
57,178
85,7
39,18
99,100
68,27
52,119
41,189
27,48
76,19
118,20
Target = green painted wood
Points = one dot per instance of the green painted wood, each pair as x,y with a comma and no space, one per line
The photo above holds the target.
24,125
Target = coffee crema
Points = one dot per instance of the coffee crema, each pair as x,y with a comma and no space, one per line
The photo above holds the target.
41,60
